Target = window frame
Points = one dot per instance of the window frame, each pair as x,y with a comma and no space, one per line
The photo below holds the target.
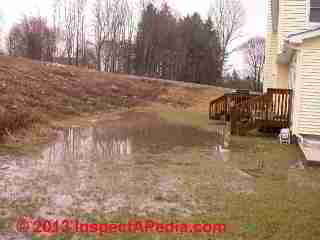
308,11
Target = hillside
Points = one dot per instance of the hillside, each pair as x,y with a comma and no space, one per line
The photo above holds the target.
34,92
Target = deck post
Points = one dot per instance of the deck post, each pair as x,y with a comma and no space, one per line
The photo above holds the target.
290,107
226,101
246,112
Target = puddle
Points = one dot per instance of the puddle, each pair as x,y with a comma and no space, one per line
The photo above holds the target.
138,163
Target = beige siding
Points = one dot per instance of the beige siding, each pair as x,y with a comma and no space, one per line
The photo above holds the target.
309,109
292,18
269,14
305,66
312,43
270,67
283,76
295,83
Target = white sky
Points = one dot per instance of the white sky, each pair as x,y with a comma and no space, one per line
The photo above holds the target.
12,11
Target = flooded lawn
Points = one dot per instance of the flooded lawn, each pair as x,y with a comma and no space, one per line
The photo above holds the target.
145,165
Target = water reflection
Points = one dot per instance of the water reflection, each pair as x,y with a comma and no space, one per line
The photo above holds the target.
221,150
119,164
76,144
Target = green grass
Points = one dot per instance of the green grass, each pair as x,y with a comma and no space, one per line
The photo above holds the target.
194,119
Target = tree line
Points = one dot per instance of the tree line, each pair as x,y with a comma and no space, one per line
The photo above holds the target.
111,36
185,49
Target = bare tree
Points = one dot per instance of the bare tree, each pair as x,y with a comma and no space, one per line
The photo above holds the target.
80,48
69,29
114,26
102,11
69,19
32,38
254,54
228,17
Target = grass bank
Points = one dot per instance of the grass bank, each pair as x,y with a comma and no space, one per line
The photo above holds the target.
35,94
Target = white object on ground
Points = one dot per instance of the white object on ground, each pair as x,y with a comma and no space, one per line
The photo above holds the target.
284,136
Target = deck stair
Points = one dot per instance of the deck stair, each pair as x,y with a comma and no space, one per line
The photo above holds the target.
251,111
220,108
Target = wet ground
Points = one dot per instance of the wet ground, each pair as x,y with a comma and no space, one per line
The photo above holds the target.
139,164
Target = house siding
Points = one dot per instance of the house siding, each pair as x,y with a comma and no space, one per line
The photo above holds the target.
292,19
309,102
269,16
305,64
270,67
282,76
295,84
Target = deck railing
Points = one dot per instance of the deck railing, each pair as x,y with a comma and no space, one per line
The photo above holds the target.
222,106
270,110
281,106
217,108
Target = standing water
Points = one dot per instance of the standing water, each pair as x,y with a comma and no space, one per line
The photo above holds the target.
140,165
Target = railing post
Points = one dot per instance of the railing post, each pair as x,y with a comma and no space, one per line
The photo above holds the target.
226,107
233,121
290,92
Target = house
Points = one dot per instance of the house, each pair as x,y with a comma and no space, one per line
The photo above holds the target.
291,79
293,62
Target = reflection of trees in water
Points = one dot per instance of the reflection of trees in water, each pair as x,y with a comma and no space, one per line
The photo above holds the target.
79,155
107,145
79,151
221,150
82,146
157,136
87,144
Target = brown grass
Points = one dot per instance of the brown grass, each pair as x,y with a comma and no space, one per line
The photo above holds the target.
33,92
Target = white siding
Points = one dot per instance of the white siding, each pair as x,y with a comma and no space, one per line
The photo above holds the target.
292,18
309,109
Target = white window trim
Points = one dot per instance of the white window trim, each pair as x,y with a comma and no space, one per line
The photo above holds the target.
310,24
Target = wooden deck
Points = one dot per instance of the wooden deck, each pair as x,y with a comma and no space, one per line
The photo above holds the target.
250,111
221,107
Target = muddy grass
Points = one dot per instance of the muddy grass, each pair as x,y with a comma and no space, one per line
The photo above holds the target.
80,154
172,166
34,93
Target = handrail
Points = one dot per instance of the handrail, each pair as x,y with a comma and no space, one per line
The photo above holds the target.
222,105
217,99
272,107
248,112
217,106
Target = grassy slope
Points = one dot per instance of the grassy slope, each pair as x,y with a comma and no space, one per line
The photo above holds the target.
33,93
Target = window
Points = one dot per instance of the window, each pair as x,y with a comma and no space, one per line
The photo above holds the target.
314,16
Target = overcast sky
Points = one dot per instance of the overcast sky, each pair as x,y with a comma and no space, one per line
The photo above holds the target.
12,11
